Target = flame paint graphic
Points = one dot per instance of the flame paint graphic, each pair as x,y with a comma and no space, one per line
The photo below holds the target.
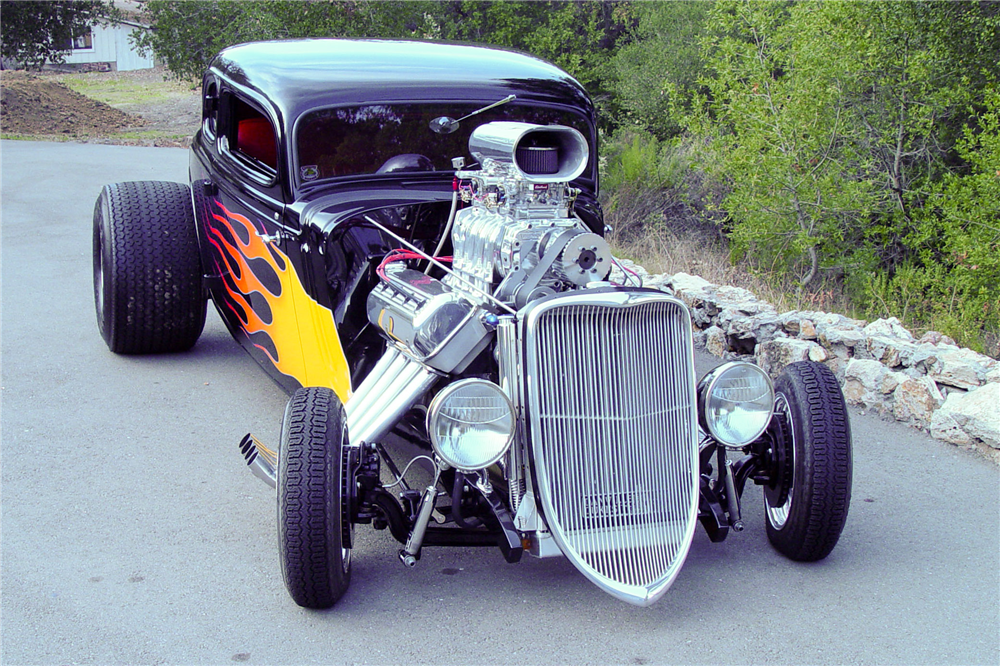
268,299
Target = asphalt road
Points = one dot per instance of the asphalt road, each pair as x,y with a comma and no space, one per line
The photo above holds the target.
133,533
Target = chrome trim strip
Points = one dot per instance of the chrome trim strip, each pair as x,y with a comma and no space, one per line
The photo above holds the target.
611,411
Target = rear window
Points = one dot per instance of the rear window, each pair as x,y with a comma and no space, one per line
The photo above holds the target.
359,140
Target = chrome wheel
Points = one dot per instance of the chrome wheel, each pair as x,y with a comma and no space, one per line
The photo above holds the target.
778,515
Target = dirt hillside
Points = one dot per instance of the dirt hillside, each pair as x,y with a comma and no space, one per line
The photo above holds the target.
33,105
39,106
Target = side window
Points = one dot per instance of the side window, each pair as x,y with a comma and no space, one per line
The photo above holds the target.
210,107
254,135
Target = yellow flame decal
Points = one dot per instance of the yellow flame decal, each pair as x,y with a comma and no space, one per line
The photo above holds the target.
302,331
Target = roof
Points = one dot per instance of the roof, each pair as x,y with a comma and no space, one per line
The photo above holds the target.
296,75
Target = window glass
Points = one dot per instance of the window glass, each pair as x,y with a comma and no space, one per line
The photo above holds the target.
254,134
83,42
210,107
350,141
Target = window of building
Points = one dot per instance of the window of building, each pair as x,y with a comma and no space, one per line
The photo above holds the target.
84,42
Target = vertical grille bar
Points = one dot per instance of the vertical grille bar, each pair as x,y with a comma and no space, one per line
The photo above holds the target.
610,389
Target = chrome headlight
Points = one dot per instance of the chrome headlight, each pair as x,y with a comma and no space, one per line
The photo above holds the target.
735,401
471,424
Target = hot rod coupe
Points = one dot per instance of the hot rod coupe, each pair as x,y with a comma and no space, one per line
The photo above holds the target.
406,237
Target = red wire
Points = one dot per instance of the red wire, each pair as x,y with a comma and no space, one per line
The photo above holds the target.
402,255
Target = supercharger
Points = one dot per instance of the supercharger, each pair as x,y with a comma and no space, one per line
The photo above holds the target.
517,242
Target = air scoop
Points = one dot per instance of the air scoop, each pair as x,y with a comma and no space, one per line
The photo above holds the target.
261,460
539,153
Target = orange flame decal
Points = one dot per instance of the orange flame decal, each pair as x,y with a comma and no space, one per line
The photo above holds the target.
269,299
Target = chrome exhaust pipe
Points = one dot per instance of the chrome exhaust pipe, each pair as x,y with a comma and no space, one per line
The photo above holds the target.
261,460
390,389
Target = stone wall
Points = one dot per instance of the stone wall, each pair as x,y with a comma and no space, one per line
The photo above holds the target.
930,383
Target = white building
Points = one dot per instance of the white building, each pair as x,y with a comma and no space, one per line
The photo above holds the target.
110,45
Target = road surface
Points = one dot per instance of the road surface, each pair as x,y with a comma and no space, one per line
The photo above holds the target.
132,532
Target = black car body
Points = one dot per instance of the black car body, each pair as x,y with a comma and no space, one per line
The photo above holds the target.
406,237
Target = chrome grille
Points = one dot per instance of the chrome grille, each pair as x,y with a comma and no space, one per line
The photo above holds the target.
610,388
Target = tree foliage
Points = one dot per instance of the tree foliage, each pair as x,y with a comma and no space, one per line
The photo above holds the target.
578,36
187,34
34,33
779,123
847,135
658,64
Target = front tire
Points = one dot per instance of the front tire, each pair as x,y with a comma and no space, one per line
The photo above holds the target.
808,524
147,270
313,526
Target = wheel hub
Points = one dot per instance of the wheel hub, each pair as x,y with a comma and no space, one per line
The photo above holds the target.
781,456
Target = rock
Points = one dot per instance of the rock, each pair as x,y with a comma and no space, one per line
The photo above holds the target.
839,335
807,329
890,380
741,300
634,267
944,426
698,338
890,328
935,338
993,375
817,353
660,281
892,351
759,327
924,357
841,340
962,368
915,400
831,319
716,342
976,413
791,322
863,383
696,293
772,356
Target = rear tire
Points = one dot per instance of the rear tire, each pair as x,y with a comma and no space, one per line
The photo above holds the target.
313,545
147,270
807,526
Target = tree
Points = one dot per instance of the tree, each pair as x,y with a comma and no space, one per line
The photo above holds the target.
34,33
777,117
186,35
911,74
660,65
578,36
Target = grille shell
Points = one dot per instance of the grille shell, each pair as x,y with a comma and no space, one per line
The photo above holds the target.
610,389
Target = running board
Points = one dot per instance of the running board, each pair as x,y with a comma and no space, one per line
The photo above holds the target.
261,460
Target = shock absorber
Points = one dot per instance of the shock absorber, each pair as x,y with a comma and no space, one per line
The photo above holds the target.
411,551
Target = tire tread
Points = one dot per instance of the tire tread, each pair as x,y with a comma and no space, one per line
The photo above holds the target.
822,492
156,302
309,499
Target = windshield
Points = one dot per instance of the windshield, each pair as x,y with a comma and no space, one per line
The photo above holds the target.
359,140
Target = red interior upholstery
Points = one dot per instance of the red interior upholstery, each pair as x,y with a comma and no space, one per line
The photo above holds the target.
256,139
